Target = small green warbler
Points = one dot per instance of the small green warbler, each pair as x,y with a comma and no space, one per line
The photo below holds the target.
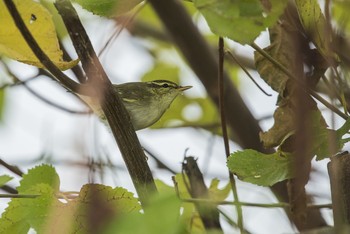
145,102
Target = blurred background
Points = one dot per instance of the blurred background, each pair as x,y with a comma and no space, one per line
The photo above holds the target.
83,150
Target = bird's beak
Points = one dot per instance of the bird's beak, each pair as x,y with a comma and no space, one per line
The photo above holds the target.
183,88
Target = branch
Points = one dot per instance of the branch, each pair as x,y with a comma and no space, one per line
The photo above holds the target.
18,82
224,129
160,163
9,189
339,174
111,103
197,188
11,168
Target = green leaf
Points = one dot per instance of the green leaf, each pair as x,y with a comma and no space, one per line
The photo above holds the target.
47,214
109,203
241,21
38,210
328,141
314,23
23,213
321,136
43,174
108,7
39,22
4,179
260,169
119,199
103,200
162,216
344,129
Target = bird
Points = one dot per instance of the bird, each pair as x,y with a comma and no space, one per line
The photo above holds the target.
145,102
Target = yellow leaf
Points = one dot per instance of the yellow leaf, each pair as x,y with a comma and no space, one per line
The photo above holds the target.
39,21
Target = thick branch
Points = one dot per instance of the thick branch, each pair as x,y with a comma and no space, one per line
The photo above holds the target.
112,106
339,173
111,103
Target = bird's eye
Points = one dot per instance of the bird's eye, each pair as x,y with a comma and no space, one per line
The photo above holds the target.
165,85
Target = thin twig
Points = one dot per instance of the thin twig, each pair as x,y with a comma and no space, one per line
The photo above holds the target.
252,204
160,164
42,98
224,129
125,23
247,73
13,169
228,219
61,195
19,195
9,189
332,90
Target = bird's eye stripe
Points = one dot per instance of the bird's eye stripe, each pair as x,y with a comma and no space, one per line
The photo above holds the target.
163,84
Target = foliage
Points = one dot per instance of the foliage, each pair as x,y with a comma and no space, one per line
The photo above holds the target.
164,207
241,21
301,40
48,210
47,213
261,169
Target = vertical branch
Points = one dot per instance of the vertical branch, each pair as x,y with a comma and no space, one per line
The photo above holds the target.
339,173
224,128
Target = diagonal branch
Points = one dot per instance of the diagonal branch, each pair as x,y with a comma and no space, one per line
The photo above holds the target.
111,103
